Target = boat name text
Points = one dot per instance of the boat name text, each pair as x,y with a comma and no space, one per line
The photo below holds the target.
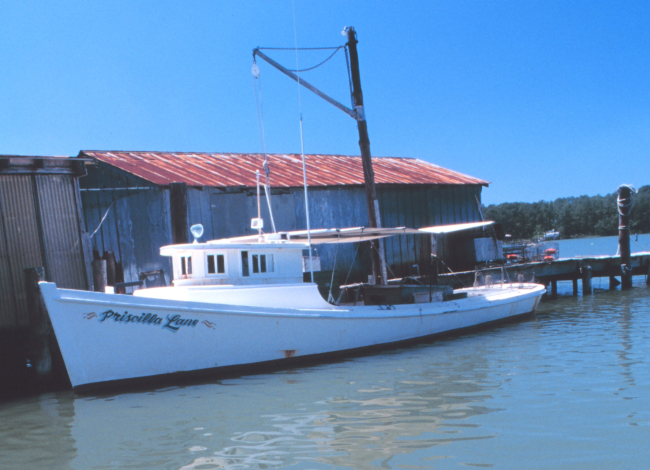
172,322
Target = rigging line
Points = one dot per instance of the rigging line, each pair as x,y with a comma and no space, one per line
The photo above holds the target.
260,115
318,65
449,269
372,245
302,147
297,48
336,252
352,264
260,120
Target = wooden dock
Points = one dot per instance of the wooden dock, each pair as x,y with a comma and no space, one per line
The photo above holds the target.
582,269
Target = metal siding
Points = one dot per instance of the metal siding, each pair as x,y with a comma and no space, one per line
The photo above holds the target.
462,205
329,208
61,234
199,211
459,196
7,290
229,217
150,220
22,236
388,214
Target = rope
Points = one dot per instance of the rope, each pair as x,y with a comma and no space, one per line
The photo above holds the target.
352,264
102,221
382,258
625,203
336,49
296,48
260,123
329,295
260,119
318,65
302,149
449,269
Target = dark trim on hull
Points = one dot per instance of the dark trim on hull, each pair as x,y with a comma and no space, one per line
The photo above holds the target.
227,372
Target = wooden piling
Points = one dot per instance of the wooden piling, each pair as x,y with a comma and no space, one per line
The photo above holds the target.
624,208
554,289
99,275
109,257
575,286
586,280
40,355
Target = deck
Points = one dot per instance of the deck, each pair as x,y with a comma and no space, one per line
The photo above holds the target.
563,269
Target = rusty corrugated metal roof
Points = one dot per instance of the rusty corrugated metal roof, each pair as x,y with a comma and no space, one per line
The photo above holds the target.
238,169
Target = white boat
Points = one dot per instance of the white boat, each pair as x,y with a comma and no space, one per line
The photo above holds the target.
551,235
238,302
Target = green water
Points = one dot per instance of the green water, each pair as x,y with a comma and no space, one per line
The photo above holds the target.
568,388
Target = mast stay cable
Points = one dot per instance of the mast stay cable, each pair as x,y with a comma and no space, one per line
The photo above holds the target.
302,145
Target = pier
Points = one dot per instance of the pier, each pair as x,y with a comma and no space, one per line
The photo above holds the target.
582,269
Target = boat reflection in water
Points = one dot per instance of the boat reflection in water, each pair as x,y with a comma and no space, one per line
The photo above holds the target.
316,414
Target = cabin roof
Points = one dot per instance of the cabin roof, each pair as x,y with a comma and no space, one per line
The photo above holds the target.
238,169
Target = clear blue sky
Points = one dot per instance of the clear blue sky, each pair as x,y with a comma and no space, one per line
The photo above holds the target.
545,99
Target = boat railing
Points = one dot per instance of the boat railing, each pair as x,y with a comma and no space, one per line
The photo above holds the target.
502,276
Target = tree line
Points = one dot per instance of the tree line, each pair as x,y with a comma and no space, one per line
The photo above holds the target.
572,217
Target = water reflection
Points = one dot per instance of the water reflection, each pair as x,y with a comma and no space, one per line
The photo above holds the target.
570,385
373,425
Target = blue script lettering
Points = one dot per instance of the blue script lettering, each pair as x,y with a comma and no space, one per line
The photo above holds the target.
175,322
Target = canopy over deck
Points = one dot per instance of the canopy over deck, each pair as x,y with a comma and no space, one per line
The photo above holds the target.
328,235
455,227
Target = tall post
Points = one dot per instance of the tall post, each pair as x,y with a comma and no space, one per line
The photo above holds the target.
374,220
178,206
624,208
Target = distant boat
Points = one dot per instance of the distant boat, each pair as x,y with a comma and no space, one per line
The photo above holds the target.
551,235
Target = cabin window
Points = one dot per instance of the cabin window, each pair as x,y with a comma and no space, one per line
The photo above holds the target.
186,265
216,264
244,263
262,264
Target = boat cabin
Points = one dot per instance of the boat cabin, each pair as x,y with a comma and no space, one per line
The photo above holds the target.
224,262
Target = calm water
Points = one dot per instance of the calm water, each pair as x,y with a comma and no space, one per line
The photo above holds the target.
566,389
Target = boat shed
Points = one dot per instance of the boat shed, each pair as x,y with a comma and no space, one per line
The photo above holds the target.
127,201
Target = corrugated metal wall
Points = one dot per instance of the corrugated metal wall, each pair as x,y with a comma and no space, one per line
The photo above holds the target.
40,227
22,240
413,206
61,231
137,223
424,206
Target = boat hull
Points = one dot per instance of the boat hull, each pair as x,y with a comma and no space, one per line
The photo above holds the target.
108,337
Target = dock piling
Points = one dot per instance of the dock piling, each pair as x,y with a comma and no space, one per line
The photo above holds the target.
624,209
100,280
40,355
586,280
